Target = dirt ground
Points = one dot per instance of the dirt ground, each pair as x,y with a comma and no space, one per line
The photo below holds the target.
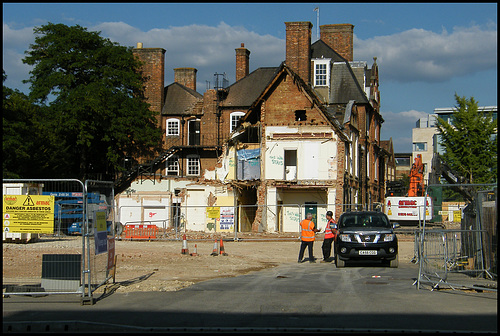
159,265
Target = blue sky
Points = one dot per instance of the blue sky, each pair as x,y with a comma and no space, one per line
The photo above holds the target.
426,52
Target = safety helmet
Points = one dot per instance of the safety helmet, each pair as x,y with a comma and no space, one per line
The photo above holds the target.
329,213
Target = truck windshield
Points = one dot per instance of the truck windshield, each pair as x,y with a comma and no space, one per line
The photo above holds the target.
363,220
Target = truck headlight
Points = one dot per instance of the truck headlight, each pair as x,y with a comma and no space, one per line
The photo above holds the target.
345,238
389,237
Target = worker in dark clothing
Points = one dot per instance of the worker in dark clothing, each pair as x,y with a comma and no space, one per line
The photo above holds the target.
330,235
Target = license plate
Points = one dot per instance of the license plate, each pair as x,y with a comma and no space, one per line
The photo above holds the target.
368,252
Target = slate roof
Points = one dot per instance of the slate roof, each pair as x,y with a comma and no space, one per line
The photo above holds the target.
245,91
320,49
180,99
343,85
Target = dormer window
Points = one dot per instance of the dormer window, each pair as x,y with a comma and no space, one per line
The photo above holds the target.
322,72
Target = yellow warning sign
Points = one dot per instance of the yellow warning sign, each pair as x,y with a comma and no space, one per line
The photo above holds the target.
28,213
213,212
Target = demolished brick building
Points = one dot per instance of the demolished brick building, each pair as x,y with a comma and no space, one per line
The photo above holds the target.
280,141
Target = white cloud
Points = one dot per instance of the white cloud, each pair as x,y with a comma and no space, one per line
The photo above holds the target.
422,55
400,125
206,48
15,42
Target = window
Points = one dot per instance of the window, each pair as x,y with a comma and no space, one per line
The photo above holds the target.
173,166
300,115
402,162
235,117
419,146
193,165
321,72
173,127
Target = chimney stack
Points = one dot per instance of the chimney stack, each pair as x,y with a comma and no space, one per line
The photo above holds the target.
298,48
186,77
153,69
242,62
339,37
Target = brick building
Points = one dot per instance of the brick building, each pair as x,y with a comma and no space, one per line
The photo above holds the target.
280,141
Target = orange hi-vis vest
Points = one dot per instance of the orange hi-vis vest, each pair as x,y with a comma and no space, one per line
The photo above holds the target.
307,233
328,229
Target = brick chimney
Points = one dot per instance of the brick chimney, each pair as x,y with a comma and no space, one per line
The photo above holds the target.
153,69
339,37
186,77
242,62
298,48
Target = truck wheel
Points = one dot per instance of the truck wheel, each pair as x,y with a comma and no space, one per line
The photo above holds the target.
394,263
339,263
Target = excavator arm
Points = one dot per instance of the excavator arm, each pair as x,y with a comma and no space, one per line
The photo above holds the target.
416,178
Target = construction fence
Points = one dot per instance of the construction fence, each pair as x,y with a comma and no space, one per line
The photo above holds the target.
457,248
73,221
171,221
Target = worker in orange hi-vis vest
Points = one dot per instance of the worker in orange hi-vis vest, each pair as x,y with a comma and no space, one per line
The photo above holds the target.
307,231
330,235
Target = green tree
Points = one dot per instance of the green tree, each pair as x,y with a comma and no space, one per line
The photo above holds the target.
93,92
470,141
30,149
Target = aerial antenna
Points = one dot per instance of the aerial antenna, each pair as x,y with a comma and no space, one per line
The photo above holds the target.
317,22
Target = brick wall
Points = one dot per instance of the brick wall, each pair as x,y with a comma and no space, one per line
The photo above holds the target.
298,48
339,37
282,105
154,70
186,77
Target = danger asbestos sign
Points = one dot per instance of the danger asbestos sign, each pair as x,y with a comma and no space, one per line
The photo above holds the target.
28,213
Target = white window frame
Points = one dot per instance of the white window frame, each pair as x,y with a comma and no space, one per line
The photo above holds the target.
167,128
326,74
193,165
237,116
172,161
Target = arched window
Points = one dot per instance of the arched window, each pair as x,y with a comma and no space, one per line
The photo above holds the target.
173,127
235,117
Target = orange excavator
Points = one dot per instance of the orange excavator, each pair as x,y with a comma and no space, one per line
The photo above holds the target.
417,187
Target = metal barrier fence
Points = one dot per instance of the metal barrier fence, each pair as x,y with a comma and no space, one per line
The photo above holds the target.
99,240
66,257
172,220
457,248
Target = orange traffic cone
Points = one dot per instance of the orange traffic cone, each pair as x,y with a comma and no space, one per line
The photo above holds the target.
214,251
222,248
195,253
184,245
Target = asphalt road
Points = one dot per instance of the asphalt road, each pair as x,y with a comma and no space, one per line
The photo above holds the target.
290,298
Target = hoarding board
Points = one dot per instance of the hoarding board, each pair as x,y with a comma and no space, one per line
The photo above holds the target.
408,208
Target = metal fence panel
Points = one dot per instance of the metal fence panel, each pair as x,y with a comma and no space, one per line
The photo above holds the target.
100,199
74,258
457,248
39,273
